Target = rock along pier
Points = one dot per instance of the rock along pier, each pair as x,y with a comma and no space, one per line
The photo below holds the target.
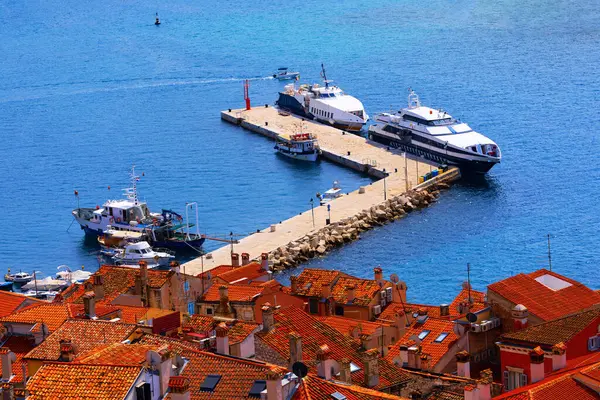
295,240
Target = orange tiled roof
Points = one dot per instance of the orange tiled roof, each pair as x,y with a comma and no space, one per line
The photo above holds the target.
117,280
241,292
20,345
365,290
176,345
315,334
555,331
345,325
428,345
311,280
11,302
238,330
71,381
243,274
84,334
53,315
563,384
117,354
542,301
315,388
237,375
441,394
216,271
478,302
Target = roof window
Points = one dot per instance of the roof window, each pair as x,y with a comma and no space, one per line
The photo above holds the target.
441,337
552,282
257,388
354,367
338,396
210,382
423,334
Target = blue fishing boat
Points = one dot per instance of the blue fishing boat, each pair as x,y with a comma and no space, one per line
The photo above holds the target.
283,75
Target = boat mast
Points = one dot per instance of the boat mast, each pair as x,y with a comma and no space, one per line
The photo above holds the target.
131,193
324,76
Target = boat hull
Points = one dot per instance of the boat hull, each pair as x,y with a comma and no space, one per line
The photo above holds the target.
312,157
414,144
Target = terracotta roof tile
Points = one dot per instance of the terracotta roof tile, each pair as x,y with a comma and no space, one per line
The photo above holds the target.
555,331
238,330
346,325
53,315
365,290
117,354
176,345
241,292
76,381
237,375
84,334
311,280
20,345
428,344
315,334
315,388
440,394
243,274
11,302
541,300
216,271
478,302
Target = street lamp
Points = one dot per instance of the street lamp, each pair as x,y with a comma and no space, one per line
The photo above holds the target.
328,214
312,211
384,185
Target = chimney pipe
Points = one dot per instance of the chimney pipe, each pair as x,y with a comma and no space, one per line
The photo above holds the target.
520,316
223,294
485,384
274,388
345,372
235,259
371,364
8,358
399,292
325,362
378,274
67,350
444,310
98,286
325,290
471,392
89,305
559,356
245,258
179,388
144,282
264,261
536,356
294,283
350,293
295,348
268,320
174,266
463,364
161,360
222,338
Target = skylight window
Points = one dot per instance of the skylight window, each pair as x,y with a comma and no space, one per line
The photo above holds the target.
552,282
338,396
441,337
257,388
354,367
210,383
423,334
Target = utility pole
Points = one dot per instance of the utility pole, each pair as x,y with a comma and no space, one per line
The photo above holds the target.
405,171
549,254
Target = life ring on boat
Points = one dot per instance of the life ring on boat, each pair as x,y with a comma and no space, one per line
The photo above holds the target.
111,220
118,219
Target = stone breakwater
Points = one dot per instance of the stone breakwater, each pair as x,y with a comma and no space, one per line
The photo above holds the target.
349,229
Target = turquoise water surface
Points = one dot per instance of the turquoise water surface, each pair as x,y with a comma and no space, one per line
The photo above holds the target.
90,89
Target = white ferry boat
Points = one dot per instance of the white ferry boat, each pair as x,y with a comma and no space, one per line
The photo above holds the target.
327,104
300,146
436,135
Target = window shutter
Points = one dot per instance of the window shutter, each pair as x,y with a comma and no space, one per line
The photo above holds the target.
506,388
523,380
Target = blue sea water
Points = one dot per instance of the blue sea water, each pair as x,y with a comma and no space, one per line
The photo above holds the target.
88,89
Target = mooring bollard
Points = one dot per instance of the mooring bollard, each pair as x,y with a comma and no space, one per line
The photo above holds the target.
273,228
266,123
361,190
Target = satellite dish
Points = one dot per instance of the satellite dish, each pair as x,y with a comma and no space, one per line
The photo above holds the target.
394,278
300,369
471,317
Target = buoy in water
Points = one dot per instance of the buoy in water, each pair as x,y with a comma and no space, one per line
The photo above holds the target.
157,21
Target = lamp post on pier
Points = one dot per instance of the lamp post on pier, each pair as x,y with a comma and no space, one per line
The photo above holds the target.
384,185
312,211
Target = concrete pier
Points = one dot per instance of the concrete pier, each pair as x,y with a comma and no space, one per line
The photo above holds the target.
352,151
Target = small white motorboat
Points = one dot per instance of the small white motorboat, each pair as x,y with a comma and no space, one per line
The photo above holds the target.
19,277
46,284
133,253
330,194
283,75
72,276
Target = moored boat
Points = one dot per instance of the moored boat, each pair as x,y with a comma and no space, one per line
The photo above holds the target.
283,75
300,146
20,277
327,104
436,135
133,253
330,194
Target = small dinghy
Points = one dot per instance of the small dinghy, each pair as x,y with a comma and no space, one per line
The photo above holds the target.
330,194
283,75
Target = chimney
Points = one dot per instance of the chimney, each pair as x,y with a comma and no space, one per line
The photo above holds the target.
98,286
536,356
144,282
559,356
371,364
325,290
345,372
179,388
274,387
294,283
416,395
268,320
8,358
223,294
519,315
463,364
8,391
485,384
3,332
422,315
67,350
235,259
264,261
245,258
444,310
222,338
471,392
399,292
174,266
364,341
403,355
424,362
89,305
295,348
325,363
350,293
378,274
412,355
160,360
